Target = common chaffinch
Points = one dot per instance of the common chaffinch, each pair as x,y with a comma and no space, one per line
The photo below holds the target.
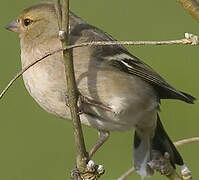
110,75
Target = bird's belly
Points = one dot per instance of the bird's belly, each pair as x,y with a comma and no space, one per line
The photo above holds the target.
109,121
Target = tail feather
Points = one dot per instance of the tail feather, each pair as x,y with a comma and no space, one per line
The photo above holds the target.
163,143
188,98
160,142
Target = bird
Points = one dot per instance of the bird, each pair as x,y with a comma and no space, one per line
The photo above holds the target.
105,75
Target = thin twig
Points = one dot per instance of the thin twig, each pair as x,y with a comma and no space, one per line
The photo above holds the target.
128,43
192,7
82,156
126,174
58,12
186,141
187,40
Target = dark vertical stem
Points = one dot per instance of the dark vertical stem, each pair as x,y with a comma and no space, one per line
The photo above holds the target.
59,13
82,156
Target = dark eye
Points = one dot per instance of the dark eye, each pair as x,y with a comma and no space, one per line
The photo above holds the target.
27,22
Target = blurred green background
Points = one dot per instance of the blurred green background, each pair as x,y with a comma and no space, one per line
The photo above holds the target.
35,145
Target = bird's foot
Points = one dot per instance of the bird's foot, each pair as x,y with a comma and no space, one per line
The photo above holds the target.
75,174
161,163
79,104
92,172
92,167
186,173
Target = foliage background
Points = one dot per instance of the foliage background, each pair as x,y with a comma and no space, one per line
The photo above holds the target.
35,145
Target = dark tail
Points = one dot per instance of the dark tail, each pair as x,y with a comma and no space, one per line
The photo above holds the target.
163,143
188,98
143,148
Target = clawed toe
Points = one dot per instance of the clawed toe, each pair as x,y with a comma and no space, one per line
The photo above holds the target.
75,174
92,172
185,172
92,167
161,163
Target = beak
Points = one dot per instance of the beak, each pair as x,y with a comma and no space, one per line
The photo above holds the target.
13,26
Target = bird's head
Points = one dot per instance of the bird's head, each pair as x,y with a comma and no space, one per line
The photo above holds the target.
36,22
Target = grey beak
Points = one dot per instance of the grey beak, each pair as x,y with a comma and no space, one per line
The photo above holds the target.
13,26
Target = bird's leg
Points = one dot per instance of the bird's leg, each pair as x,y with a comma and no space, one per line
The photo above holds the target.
92,171
103,136
86,100
82,100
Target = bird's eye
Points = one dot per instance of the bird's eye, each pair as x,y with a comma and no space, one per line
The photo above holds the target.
27,22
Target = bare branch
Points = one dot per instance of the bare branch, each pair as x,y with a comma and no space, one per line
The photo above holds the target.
58,12
82,156
126,174
186,141
192,7
128,43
